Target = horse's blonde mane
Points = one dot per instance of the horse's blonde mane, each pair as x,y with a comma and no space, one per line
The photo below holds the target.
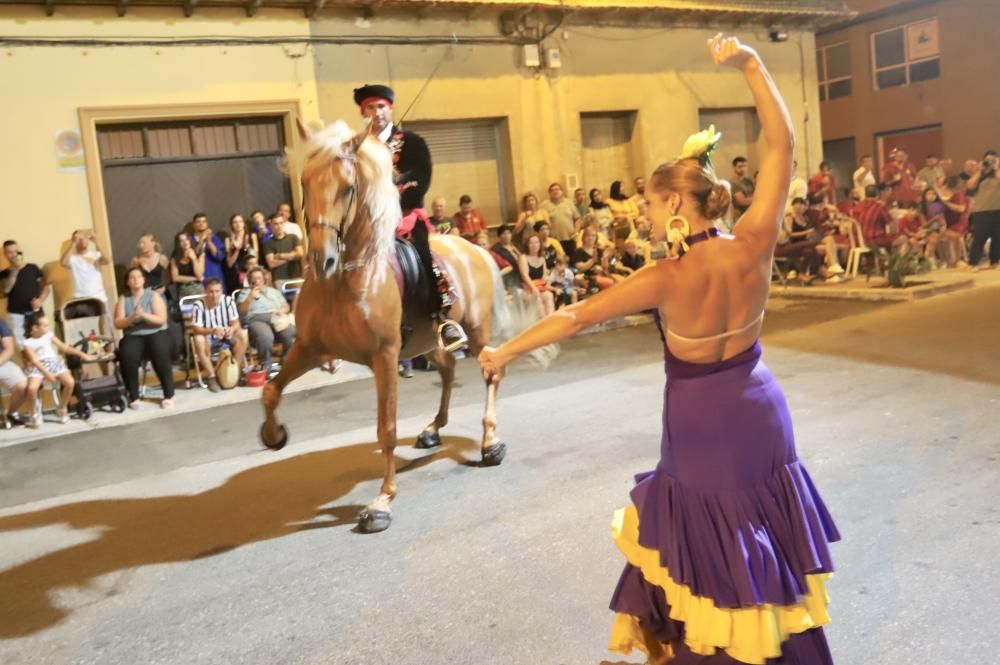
376,188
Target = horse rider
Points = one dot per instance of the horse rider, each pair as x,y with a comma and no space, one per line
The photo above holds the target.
411,160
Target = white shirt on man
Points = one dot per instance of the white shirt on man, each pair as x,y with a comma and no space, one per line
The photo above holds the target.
861,181
87,280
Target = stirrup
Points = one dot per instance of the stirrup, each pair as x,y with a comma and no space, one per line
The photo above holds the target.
455,345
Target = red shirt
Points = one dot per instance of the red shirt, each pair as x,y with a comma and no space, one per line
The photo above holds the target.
470,228
874,219
957,221
501,261
911,222
902,176
825,184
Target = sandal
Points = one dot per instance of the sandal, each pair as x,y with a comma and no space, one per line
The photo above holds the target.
167,403
63,417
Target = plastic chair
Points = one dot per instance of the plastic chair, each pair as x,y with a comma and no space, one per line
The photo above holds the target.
858,248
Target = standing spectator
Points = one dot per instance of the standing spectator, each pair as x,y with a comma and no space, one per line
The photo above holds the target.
741,187
259,227
551,248
442,223
11,377
580,202
292,227
863,177
969,167
187,268
468,220
240,245
563,217
534,274
24,286
155,265
600,211
984,187
216,325
82,262
621,205
266,313
527,218
639,198
798,188
932,174
207,244
283,253
956,217
42,359
824,183
899,173
141,315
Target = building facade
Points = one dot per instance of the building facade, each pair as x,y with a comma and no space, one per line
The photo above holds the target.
189,113
921,74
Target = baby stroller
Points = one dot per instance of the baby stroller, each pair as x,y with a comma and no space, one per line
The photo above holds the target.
87,327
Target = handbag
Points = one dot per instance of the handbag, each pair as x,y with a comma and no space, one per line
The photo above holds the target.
280,321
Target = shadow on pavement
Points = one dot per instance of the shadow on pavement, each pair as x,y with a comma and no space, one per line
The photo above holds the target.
288,496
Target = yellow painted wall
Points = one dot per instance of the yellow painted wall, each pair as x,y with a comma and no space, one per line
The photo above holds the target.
53,83
665,75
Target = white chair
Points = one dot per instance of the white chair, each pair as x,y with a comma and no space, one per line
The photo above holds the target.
858,248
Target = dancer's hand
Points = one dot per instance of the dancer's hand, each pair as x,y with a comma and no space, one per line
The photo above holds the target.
493,364
730,51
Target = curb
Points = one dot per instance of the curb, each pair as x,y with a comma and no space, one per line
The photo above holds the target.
872,294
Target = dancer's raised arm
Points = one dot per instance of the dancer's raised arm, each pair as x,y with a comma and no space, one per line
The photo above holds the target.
762,220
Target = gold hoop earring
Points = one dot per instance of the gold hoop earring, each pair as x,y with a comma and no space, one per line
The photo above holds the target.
678,229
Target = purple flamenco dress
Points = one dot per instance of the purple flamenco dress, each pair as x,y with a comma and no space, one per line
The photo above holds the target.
727,539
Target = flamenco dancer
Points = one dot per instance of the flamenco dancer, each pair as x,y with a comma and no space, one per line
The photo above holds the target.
726,540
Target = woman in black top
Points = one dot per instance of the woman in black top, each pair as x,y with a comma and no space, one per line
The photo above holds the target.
240,245
153,264
534,274
504,247
587,261
187,269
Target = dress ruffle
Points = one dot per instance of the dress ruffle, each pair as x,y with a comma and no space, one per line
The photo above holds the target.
655,610
739,548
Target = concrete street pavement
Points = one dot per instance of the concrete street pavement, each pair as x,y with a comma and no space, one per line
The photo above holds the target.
199,548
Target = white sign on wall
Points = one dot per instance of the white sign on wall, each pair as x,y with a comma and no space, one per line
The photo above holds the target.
922,40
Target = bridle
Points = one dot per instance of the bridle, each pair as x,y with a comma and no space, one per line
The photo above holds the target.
349,210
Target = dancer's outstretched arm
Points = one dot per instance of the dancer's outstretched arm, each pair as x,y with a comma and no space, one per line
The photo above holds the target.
642,291
762,220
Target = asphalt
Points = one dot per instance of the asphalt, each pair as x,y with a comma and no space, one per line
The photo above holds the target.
179,541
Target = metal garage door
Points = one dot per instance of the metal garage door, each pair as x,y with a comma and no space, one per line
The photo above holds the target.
467,160
157,175
607,150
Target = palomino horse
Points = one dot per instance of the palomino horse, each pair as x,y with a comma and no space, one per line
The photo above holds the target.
350,306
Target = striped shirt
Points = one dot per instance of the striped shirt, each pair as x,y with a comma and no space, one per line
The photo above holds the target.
220,316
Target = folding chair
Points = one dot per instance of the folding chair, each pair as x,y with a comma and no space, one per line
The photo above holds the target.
858,249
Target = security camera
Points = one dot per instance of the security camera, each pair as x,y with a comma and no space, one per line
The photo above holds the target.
778,36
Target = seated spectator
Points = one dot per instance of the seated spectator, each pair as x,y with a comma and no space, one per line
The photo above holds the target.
877,224
835,237
801,242
956,216
504,247
529,216
534,274
215,325
141,315
621,204
252,263
642,241
563,284
83,262
209,246
932,209
187,268
915,228
442,223
240,245
266,314
824,183
590,222
283,253
43,362
589,262
24,286
630,259
11,377
292,227
155,265
932,174
483,240
599,211
551,248
468,220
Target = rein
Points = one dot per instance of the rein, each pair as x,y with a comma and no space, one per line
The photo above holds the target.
350,209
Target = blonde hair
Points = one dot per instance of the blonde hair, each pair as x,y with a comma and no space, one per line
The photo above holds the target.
688,176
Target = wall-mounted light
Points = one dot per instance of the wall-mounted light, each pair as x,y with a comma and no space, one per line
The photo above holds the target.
778,36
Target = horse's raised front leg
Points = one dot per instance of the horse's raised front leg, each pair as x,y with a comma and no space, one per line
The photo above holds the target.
298,361
377,515
430,437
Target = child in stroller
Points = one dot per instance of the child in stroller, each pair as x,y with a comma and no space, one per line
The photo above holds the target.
86,326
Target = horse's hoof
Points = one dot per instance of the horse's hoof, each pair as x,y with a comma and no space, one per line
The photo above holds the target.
428,439
493,455
373,521
282,438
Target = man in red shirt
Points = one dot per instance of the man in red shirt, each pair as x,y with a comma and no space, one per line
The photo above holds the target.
468,220
824,183
875,219
900,173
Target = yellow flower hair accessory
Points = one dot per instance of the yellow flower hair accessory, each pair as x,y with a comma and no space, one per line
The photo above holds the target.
701,145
